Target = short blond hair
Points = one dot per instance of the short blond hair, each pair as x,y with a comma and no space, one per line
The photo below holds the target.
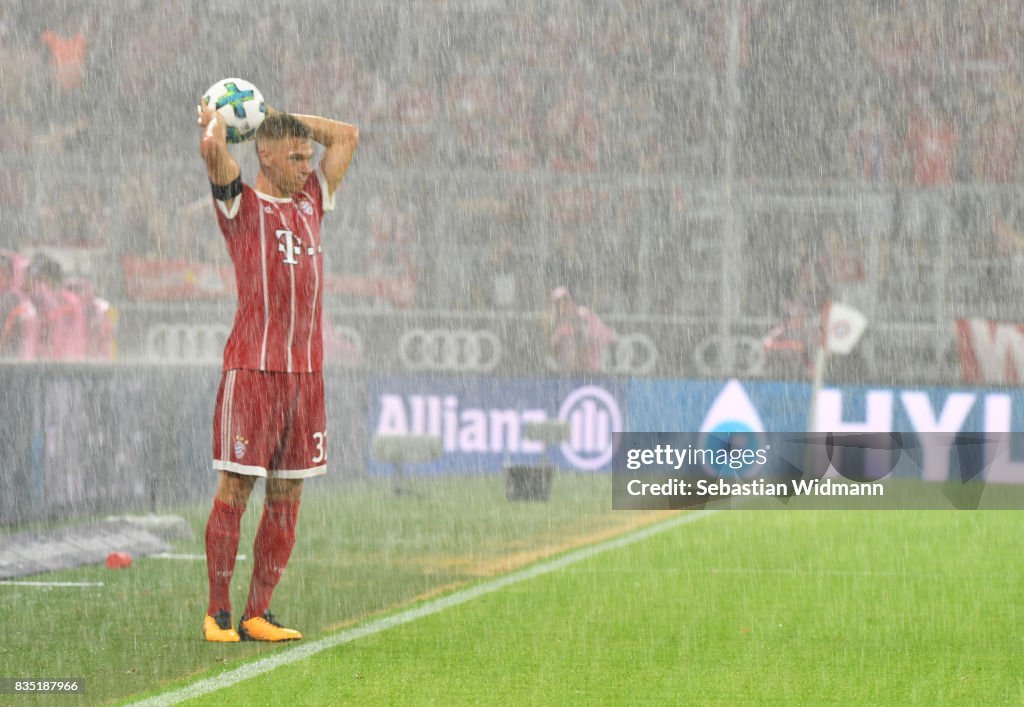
277,126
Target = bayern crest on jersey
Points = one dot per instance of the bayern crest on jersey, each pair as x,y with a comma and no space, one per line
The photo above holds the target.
240,446
306,207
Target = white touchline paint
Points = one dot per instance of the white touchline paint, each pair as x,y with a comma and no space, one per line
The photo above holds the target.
185,556
15,583
302,651
795,571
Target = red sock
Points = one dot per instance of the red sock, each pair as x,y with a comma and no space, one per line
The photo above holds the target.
274,541
221,549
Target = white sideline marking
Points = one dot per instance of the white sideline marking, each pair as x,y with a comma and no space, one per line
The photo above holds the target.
827,573
790,571
185,556
15,583
305,650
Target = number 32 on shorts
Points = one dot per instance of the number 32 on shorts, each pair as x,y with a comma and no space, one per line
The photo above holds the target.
320,439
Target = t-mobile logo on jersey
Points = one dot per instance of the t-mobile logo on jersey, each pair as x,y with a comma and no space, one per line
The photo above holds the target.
291,246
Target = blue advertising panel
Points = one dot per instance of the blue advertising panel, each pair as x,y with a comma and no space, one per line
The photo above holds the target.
690,406
482,422
936,426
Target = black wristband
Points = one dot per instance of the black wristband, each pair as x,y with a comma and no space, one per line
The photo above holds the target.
223,192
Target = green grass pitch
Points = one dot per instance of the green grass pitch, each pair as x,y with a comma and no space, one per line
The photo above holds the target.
739,607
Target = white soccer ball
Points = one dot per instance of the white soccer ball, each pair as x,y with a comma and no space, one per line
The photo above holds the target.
241,106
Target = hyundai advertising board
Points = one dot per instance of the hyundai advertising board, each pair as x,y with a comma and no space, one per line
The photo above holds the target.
934,423
482,422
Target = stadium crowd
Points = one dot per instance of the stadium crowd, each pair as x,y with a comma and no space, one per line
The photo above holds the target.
45,316
492,139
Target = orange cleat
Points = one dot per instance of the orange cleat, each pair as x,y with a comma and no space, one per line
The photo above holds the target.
217,628
265,628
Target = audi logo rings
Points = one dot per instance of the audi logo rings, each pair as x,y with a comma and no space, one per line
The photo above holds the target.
476,350
186,343
747,356
633,353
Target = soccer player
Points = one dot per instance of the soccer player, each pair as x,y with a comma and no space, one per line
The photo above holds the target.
269,416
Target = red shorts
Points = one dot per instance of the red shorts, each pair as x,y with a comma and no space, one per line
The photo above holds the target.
270,424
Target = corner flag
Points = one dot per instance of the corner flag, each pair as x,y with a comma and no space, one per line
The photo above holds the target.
844,327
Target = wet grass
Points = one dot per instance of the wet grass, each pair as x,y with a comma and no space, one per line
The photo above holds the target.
361,551
742,607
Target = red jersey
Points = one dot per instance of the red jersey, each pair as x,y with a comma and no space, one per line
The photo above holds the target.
276,249
67,58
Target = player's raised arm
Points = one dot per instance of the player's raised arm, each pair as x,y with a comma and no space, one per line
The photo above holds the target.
339,139
213,146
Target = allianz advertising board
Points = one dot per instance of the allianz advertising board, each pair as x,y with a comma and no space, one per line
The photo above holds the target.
483,422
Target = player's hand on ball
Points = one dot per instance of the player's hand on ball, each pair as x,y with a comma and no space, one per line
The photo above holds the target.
212,130
204,112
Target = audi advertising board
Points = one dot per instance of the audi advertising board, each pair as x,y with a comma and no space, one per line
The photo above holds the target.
482,422
928,418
